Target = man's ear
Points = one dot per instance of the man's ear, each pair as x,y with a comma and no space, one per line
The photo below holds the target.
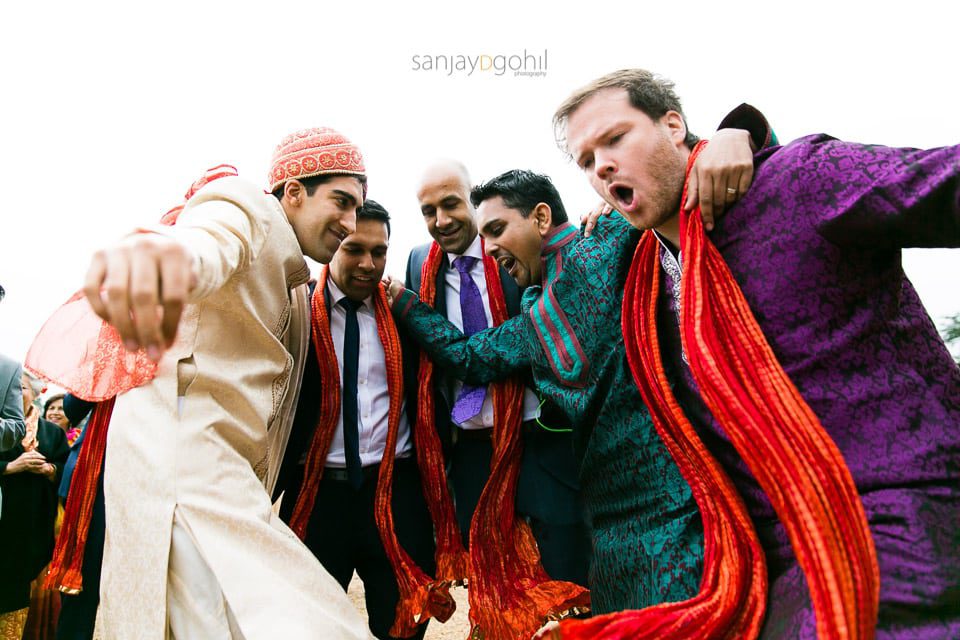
543,217
676,127
294,191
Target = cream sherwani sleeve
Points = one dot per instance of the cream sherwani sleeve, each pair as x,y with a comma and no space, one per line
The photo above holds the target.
222,231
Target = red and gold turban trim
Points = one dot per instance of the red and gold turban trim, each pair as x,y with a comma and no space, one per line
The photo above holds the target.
314,152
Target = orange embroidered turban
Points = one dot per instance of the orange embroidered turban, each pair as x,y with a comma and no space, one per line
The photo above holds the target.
314,152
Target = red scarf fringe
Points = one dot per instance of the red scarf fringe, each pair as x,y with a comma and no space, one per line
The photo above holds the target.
776,433
418,602
511,595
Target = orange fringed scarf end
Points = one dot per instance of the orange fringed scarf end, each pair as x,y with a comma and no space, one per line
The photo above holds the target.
777,435
543,600
420,599
418,603
511,595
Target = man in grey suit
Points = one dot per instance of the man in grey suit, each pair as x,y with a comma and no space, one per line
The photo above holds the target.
12,426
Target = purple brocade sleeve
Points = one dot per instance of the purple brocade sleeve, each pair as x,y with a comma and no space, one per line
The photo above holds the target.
880,196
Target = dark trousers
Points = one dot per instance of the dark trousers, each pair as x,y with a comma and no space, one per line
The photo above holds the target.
564,549
78,613
469,471
343,535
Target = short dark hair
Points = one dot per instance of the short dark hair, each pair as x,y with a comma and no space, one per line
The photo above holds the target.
651,93
373,210
311,184
522,190
49,401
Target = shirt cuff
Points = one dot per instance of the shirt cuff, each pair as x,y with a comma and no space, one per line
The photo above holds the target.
403,302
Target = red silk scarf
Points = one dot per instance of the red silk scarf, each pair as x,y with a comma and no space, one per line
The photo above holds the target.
511,595
83,354
776,433
67,562
417,601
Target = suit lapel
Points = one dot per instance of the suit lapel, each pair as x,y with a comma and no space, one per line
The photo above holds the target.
511,293
443,383
440,304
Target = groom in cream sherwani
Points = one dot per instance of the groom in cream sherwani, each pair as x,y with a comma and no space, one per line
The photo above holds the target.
192,547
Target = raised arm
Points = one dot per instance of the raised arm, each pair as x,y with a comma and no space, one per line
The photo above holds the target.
166,267
883,197
723,172
493,354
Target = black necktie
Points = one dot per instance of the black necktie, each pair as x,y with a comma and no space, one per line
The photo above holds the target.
351,357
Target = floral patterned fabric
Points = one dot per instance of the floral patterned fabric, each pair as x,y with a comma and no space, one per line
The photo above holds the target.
816,249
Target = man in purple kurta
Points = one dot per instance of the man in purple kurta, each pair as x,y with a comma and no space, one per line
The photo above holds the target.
815,246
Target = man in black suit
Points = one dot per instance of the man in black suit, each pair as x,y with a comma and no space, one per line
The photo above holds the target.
547,488
342,531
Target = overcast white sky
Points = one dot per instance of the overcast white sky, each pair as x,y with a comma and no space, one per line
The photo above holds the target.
109,111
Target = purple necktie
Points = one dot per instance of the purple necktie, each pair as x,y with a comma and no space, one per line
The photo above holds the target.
470,400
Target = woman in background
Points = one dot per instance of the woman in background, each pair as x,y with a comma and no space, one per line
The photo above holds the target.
53,411
29,478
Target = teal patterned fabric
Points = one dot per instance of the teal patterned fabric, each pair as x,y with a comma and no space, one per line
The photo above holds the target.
646,530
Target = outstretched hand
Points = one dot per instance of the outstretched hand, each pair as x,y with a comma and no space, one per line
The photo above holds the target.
721,175
140,286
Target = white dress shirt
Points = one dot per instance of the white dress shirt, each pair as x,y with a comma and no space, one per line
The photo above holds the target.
484,419
373,398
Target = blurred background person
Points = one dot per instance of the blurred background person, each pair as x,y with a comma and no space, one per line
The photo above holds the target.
11,407
78,611
53,411
29,478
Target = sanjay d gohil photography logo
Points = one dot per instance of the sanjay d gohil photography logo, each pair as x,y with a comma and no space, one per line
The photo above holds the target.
526,64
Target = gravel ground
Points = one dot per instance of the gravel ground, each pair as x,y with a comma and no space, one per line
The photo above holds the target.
456,628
